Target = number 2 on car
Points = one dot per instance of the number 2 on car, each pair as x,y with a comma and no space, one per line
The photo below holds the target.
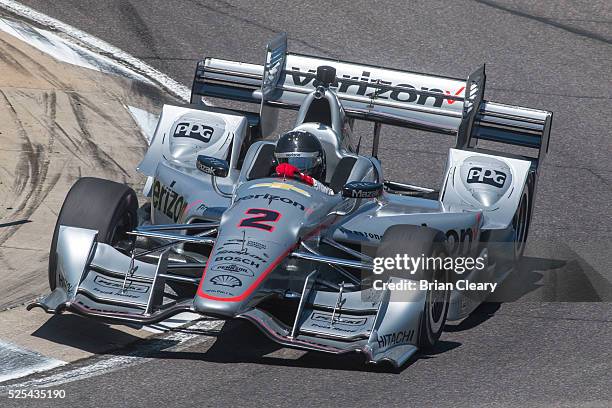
261,217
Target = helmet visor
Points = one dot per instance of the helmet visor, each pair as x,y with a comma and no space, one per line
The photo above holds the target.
307,163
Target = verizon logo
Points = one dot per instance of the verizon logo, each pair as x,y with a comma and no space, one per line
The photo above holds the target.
366,87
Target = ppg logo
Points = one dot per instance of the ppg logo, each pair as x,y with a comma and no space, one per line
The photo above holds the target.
491,177
194,131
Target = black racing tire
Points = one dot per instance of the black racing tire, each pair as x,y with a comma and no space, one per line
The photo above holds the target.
508,250
102,205
418,241
522,220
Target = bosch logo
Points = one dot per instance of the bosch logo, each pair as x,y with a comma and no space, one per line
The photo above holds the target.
236,260
194,131
491,177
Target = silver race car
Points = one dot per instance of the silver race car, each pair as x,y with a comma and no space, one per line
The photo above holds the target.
222,235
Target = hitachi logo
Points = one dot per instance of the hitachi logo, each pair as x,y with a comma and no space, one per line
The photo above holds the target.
367,87
392,339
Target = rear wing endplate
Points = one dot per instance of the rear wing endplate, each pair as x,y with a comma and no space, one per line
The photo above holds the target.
381,95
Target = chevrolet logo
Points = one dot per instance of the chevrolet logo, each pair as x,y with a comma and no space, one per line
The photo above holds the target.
283,186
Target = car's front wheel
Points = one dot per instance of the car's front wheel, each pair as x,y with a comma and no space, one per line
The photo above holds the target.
102,205
422,242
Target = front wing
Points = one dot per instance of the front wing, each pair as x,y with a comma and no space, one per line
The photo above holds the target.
97,280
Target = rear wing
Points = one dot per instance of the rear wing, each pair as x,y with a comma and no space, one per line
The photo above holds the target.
381,95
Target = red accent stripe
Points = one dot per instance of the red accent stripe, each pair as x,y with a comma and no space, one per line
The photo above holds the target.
250,289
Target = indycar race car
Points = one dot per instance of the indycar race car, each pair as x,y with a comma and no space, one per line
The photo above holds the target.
223,235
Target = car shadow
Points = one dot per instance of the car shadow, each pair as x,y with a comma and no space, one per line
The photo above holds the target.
481,314
238,341
552,280
522,281
92,336
241,342
97,337
526,278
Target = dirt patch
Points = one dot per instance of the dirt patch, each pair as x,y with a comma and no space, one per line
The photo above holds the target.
58,122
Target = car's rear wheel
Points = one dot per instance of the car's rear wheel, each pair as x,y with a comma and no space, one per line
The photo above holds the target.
102,205
506,247
416,241
520,225
521,221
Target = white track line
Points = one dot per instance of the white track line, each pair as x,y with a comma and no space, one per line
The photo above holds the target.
16,362
107,365
66,50
146,121
99,45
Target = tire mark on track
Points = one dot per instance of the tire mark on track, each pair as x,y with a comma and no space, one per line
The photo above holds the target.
50,124
25,165
94,108
31,173
96,152
601,179
50,102
574,30
8,59
136,24
228,6
36,166
73,143
43,73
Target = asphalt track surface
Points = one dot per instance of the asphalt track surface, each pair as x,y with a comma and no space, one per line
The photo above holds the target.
545,349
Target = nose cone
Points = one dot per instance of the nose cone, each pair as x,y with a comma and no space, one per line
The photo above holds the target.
255,236
236,272
217,308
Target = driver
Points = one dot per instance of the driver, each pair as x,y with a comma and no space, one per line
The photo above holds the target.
300,155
